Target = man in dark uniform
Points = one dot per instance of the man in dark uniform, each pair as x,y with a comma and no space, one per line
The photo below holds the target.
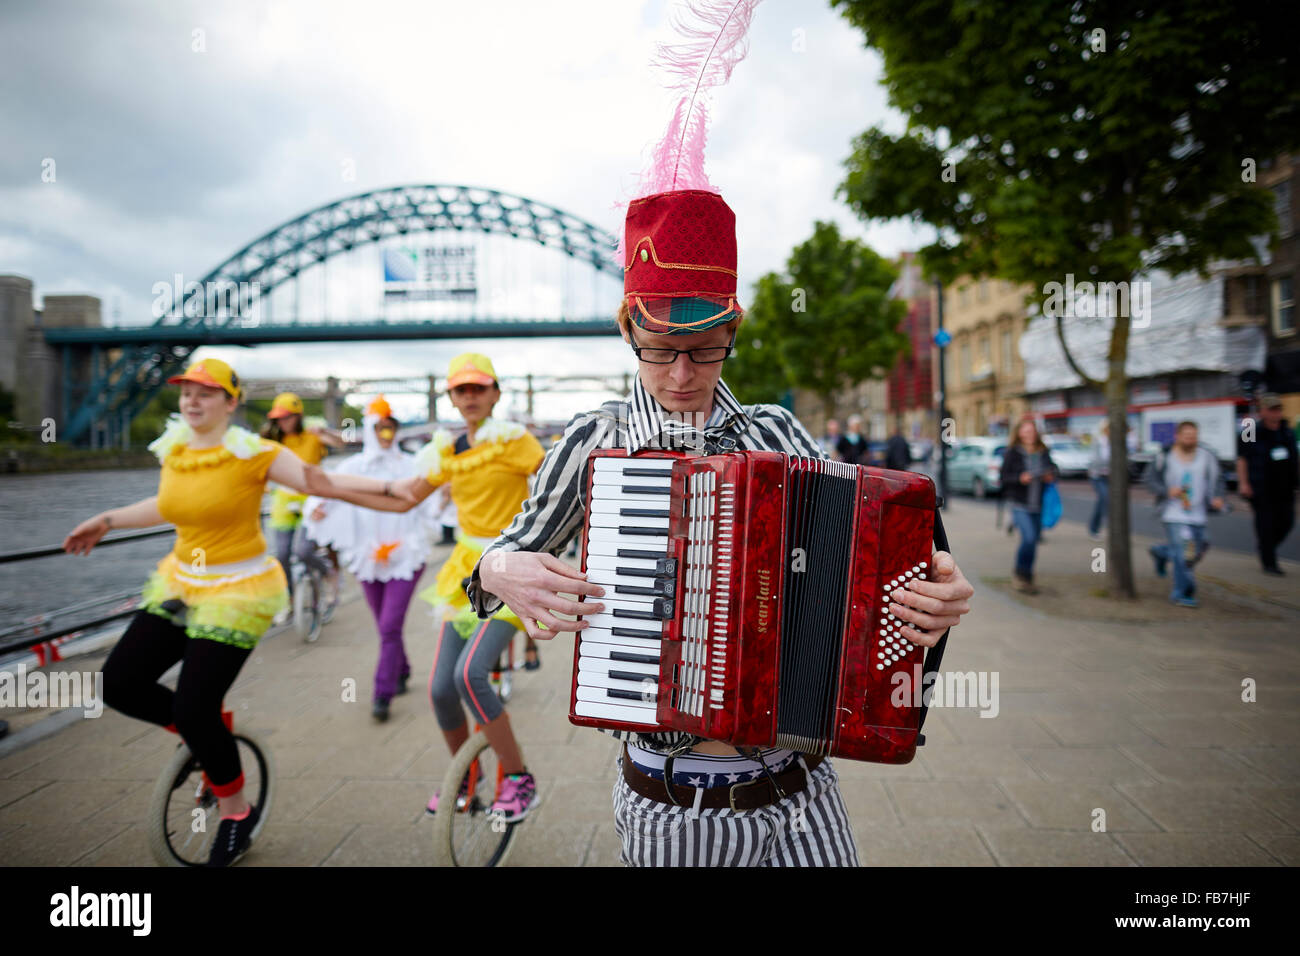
898,454
1267,476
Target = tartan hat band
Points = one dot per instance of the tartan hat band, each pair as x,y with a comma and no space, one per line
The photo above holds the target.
681,315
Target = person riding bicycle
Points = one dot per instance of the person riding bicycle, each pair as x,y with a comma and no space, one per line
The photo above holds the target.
488,469
284,424
211,599
386,551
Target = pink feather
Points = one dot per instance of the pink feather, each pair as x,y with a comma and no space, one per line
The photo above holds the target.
714,39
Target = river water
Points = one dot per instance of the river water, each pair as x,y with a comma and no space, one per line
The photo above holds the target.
39,510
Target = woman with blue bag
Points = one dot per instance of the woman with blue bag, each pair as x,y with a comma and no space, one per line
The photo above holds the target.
1029,482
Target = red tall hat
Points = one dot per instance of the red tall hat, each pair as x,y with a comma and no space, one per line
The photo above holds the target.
679,248
679,276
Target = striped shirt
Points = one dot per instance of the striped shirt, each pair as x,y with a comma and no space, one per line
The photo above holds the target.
553,513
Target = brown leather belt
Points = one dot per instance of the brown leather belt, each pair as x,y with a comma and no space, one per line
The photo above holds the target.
750,795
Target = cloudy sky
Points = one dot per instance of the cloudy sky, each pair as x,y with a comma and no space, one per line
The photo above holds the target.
180,131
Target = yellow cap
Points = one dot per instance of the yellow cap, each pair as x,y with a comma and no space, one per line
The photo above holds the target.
286,403
213,373
471,368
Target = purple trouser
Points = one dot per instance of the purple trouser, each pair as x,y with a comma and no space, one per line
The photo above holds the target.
388,601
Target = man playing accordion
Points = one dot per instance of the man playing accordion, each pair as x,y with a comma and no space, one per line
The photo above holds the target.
680,315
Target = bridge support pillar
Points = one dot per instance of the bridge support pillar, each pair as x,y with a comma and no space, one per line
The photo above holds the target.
433,399
333,401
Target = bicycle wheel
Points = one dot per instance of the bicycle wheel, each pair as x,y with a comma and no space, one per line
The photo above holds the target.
306,607
330,598
470,835
183,813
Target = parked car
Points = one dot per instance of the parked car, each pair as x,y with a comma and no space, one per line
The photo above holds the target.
1069,455
975,466
920,449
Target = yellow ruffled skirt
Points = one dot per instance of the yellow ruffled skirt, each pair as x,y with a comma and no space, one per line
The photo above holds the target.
447,592
231,604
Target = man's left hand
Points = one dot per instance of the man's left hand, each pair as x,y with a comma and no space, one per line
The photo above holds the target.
936,604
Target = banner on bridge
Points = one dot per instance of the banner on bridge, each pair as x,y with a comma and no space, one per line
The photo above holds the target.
430,273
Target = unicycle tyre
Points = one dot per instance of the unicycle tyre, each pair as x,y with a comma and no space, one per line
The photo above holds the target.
307,617
465,833
183,812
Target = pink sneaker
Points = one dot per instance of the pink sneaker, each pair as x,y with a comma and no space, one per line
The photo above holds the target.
517,797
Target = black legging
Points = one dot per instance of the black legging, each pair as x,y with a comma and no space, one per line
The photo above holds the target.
152,644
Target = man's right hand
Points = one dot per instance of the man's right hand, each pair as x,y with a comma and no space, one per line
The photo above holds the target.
530,584
1245,490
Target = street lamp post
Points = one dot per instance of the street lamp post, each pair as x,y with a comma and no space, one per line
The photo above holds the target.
941,340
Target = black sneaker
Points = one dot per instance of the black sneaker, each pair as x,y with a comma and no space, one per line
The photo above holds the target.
401,683
379,710
1276,572
233,838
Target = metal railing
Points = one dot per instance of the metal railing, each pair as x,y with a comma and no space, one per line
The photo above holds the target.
45,628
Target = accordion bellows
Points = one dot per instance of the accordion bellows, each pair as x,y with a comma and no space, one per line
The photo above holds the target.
747,600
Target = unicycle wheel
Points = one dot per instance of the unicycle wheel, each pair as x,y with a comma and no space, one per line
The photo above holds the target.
183,812
470,835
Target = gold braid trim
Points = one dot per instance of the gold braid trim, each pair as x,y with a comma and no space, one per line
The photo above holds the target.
210,459
475,458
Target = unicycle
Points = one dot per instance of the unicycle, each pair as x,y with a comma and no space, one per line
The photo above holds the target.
313,602
183,812
470,834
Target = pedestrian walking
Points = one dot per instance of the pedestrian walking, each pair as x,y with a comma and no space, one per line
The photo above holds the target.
1026,468
852,446
1099,475
831,440
898,454
1268,474
384,550
1188,482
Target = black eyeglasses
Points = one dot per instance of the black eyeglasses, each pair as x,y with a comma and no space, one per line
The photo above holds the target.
705,356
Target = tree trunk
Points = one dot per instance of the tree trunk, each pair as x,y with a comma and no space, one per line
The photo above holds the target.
1120,560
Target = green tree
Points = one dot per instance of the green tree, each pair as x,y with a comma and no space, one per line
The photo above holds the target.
1099,139
826,325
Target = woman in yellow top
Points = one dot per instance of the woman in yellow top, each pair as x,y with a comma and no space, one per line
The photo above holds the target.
284,425
488,469
212,598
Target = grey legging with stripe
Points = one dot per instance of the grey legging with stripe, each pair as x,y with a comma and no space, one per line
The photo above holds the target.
460,672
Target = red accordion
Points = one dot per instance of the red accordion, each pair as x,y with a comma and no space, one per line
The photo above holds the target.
747,600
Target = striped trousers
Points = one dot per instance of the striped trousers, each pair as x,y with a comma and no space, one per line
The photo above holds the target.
810,828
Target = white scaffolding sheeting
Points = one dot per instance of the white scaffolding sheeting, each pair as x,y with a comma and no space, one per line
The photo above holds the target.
1183,332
